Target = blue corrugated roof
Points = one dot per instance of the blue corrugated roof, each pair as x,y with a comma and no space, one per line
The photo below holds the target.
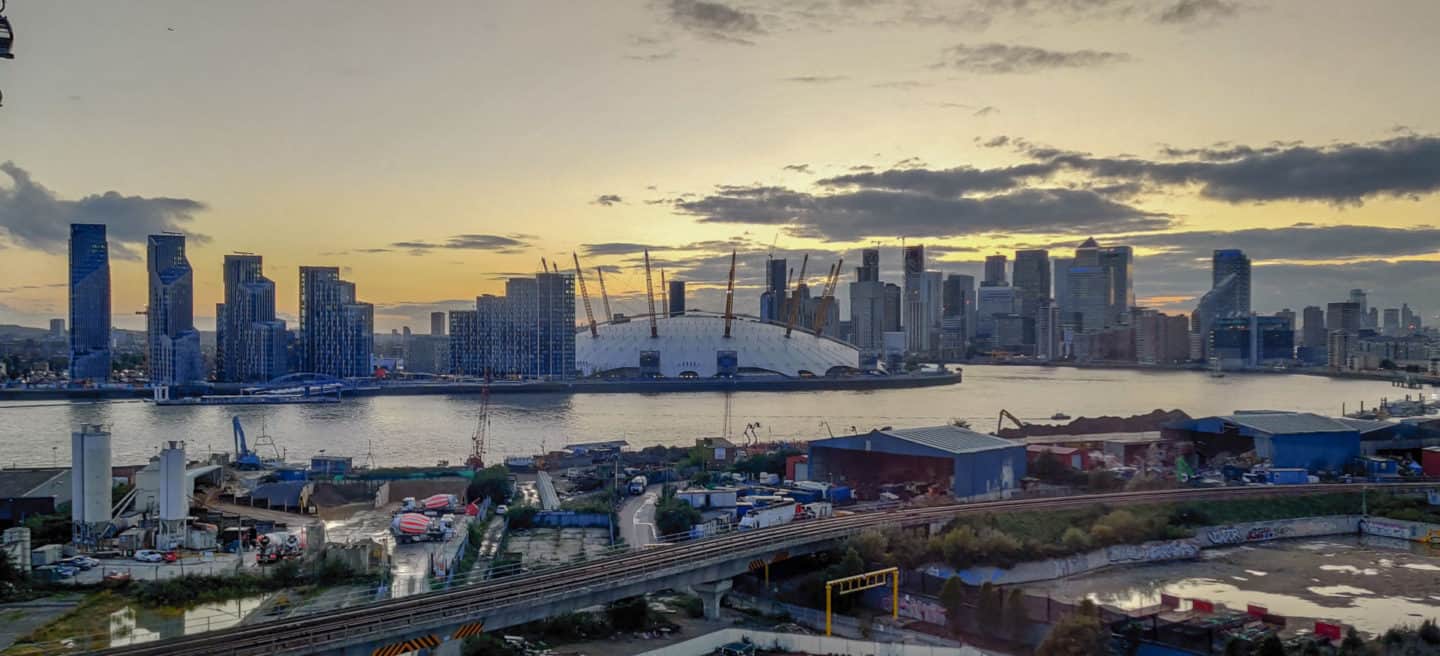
1285,423
951,439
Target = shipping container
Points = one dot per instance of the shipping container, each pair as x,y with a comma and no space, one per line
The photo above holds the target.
1430,461
1287,476
768,516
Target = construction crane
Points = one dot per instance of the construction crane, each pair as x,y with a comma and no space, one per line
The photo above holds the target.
730,295
245,459
604,295
476,461
795,297
544,266
664,294
650,296
828,298
584,295
1005,414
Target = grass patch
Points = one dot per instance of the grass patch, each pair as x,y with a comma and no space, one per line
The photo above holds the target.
1006,539
88,620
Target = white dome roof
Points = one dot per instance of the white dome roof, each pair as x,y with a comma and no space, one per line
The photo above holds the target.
690,343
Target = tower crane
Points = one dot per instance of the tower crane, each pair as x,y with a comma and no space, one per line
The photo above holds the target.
604,295
650,296
828,298
584,295
795,297
730,295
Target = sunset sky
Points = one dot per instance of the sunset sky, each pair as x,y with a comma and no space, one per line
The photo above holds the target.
434,148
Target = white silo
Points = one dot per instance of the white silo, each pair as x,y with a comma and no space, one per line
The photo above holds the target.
90,482
174,499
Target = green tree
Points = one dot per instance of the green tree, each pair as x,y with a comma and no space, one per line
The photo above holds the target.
629,614
1271,646
1236,647
1079,634
492,482
952,596
871,545
989,608
1016,619
1075,540
673,515
1353,644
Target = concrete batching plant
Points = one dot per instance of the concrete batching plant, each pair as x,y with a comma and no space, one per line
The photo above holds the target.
173,499
90,483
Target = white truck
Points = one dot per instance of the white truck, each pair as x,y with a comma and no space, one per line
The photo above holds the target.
784,513
638,485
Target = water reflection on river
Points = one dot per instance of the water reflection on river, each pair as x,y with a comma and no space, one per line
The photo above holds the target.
1369,583
424,429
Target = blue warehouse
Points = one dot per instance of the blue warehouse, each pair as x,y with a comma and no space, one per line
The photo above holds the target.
1285,439
971,465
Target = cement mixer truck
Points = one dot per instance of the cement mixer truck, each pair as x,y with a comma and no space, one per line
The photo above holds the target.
433,505
275,547
417,527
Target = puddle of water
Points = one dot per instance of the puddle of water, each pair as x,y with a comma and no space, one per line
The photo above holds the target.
1350,569
1424,567
136,624
1339,591
1255,572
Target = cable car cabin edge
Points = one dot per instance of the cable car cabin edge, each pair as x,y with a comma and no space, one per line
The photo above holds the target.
7,35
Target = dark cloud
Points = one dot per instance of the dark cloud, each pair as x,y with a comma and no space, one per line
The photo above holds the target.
715,21
903,84
816,79
617,248
496,243
986,111
1001,58
22,288
1343,173
607,200
950,182
1197,11
32,216
798,168
1301,241
854,215
659,55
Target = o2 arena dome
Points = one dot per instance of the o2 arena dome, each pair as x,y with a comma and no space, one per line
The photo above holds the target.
693,345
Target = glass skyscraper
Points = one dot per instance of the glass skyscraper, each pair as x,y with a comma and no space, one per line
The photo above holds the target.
251,344
172,341
89,303
337,331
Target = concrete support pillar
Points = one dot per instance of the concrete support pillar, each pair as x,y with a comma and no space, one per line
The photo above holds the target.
711,594
448,648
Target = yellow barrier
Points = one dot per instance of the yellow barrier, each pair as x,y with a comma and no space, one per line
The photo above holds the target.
861,582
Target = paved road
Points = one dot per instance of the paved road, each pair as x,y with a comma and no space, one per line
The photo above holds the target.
637,518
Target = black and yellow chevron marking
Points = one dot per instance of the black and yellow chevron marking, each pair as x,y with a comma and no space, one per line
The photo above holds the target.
414,644
757,565
471,629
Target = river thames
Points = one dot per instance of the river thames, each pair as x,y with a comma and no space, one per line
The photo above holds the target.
422,430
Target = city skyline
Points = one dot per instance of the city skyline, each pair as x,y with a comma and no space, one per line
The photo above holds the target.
985,129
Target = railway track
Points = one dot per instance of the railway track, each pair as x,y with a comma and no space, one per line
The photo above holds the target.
376,620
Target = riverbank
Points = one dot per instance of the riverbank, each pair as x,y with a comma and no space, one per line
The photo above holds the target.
655,386
1322,372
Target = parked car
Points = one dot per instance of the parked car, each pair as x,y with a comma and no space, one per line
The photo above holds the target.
117,576
170,556
502,509
149,556
66,571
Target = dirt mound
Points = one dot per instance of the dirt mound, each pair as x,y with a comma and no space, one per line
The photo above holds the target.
1152,421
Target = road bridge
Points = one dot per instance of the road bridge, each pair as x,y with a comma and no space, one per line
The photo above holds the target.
438,621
